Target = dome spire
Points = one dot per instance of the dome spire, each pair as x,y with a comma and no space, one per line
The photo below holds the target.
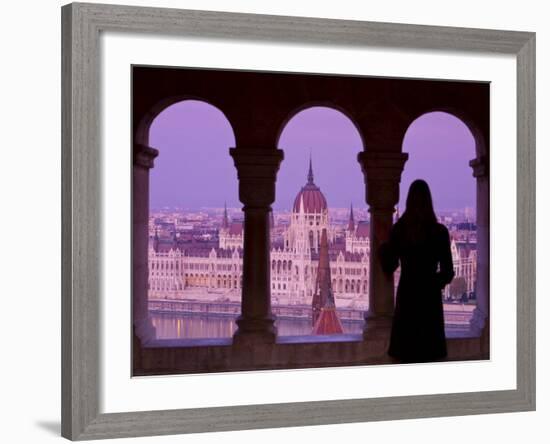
310,172
313,199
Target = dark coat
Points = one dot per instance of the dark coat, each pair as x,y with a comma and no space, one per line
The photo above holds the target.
418,333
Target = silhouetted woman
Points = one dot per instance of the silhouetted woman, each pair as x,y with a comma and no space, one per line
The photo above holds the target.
421,246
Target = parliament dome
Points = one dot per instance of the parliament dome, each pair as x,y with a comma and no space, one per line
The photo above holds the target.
311,195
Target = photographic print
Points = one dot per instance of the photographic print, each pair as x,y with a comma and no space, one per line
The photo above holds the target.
285,220
374,187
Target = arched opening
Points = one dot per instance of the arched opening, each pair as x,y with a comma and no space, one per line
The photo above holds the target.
320,189
440,147
194,216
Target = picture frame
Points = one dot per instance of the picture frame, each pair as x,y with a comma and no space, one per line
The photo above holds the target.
81,235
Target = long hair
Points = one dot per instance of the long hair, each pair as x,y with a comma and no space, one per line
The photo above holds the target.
419,216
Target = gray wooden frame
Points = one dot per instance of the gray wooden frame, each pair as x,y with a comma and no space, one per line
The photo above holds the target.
81,168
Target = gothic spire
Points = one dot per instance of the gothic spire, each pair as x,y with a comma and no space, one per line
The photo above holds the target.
156,240
351,222
324,316
225,221
310,172
323,271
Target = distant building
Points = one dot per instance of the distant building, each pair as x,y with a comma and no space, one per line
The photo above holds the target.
464,252
209,267
183,269
230,234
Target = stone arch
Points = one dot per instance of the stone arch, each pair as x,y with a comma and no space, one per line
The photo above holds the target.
480,172
141,134
180,160
262,108
144,161
474,126
317,104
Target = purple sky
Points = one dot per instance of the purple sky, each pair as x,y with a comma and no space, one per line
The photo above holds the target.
194,168
440,147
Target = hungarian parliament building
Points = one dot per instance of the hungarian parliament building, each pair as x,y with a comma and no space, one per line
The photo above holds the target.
183,269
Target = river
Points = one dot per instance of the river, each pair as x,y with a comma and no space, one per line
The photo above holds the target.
172,326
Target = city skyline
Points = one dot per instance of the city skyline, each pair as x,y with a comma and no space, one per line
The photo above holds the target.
195,266
287,211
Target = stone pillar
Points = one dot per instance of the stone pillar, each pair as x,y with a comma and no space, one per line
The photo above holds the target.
257,172
143,161
382,171
480,321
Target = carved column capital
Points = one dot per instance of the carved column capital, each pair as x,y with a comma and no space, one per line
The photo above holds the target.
480,166
257,172
144,156
382,171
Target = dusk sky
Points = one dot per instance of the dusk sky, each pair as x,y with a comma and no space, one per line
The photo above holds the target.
194,168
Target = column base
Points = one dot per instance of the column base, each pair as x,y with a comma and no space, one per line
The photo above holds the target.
145,330
255,331
478,322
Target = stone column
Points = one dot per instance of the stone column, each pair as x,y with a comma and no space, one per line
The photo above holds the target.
382,171
257,172
480,321
143,161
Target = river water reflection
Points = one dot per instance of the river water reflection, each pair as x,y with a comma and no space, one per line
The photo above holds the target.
172,326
